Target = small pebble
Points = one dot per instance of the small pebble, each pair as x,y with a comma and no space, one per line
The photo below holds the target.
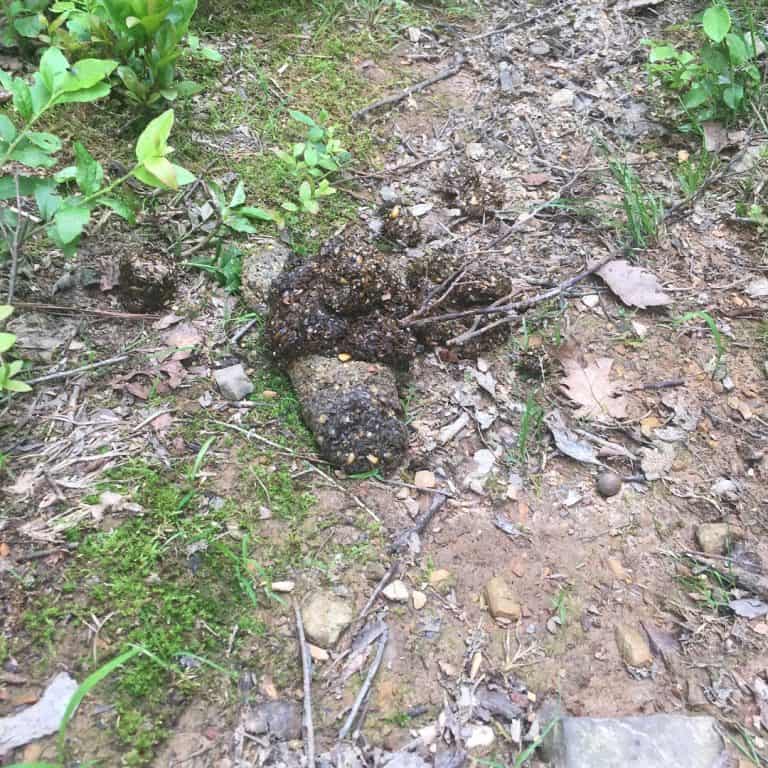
608,484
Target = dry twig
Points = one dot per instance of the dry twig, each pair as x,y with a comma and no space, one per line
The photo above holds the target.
306,666
404,94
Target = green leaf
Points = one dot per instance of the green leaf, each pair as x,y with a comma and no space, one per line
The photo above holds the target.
311,206
7,129
22,98
69,222
292,207
17,386
48,202
256,213
328,163
86,73
32,156
27,186
316,134
98,91
15,367
90,174
7,340
737,49
183,176
53,66
162,169
310,156
238,197
305,191
122,209
695,97
662,53
6,310
733,96
298,149
302,118
210,54
28,26
240,224
154,138
46,141
716,22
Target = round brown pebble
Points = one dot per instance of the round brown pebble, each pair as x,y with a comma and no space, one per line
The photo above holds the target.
608,484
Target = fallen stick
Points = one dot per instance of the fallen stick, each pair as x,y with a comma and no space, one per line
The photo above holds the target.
306,665
404,94
742,577
517,306
75,371
235,338
362,694
422,521
34,306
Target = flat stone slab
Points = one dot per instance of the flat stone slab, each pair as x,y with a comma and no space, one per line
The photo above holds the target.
655,741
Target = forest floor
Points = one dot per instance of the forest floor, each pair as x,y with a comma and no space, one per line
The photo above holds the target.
189,552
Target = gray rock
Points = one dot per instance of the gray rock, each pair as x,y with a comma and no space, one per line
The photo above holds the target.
632,645
716,538
282,719
232,382
405,759
388,195
326,616
260,267
656,741
510,77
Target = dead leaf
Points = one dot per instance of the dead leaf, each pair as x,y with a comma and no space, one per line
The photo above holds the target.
184,336
5,550
758,288
162,423
632,5
25,484
536,179
635,286
138,390
592,389
715,136
566,440
657,461
166,321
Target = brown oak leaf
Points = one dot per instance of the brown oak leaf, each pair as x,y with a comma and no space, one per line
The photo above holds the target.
593,390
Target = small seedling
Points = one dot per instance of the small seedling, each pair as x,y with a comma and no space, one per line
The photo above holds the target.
530,422
313,161
9,369
643,210
693,172
225,267
714,330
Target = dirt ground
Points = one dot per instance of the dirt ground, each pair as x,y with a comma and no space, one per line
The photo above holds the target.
580,565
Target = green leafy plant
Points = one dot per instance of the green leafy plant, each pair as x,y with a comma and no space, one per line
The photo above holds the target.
235,214
9,369
225,267
717,81
312,162
22,19
530,423
693,171
247,570
64,212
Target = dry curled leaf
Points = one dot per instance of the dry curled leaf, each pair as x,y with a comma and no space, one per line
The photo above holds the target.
593,390
567,442
632,5
635,286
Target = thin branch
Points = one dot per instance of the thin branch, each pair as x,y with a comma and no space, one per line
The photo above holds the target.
15,244
306,666
53,308
75,371
404,94
362,694
517,306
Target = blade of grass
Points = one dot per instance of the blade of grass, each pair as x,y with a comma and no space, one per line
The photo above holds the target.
84,688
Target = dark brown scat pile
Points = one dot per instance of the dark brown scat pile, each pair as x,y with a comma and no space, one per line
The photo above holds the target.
478,194
347,301
354,411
